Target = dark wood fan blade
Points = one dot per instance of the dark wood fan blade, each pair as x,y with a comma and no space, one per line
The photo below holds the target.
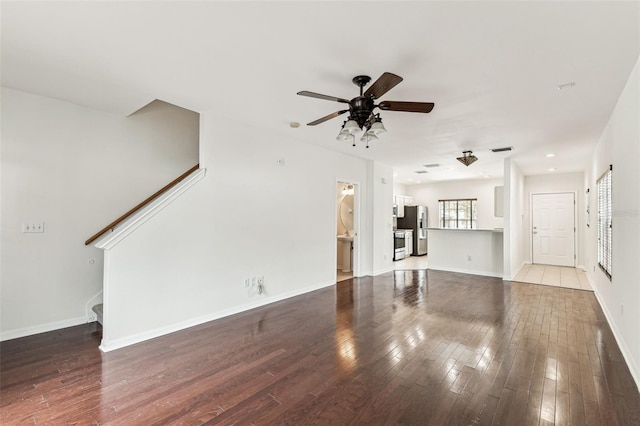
386,82
406,106
327,117
325,97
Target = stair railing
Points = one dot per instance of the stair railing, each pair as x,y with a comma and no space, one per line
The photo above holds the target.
131,212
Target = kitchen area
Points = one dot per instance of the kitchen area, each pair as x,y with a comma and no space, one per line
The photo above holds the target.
409,229
475,247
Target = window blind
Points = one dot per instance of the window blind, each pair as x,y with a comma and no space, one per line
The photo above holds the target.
605,222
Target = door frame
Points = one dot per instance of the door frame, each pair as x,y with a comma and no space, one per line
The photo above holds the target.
355,267
575,223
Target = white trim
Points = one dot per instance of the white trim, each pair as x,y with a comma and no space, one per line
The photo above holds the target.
110,240
357,190
383,271
88,307
42,328
510,278
107,346
626,353
469,271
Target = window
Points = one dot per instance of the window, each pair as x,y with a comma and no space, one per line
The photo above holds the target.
458,213
604,222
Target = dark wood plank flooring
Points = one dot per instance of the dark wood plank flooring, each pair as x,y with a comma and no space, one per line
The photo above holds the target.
407,347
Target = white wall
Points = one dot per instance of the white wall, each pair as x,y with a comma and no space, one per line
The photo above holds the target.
381,181
429,194
620,145
188,264
514,223
554,183
399,189
468,251
76,169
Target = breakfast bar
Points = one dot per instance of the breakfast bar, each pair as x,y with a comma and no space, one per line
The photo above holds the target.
470,251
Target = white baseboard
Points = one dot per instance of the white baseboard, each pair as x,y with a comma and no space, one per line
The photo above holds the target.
107,346
41,328
468,271
626,353
510,278
383,271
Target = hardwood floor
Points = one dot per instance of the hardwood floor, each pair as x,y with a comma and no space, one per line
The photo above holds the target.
408,347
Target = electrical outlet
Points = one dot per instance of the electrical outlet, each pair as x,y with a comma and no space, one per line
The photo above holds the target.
261,280
246,282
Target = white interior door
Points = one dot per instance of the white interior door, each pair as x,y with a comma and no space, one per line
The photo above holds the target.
553,229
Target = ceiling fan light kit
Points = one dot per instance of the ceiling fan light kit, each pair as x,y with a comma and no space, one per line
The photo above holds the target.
361,115
467,158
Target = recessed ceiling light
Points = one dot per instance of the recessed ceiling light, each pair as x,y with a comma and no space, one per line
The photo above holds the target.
418,182
566,85
549,155
294,124
552,169
395,175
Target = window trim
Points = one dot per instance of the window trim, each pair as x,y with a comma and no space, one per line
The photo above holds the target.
604,199
472,219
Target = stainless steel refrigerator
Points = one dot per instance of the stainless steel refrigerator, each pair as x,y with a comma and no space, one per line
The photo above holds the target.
415,217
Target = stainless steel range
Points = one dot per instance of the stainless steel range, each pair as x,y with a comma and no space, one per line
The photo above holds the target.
399,245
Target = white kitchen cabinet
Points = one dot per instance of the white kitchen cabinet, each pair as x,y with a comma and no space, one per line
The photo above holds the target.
400,201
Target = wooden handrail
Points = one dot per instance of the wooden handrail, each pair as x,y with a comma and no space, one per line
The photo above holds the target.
125,216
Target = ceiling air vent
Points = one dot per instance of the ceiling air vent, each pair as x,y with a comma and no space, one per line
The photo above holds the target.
508,148
428,166
421,172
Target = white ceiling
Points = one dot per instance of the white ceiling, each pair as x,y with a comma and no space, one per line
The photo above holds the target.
492,69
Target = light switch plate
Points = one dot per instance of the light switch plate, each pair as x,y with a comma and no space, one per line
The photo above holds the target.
33,227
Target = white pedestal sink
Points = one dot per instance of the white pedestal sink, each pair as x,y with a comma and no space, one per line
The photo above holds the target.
347,241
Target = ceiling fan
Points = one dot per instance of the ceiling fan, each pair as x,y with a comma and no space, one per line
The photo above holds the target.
361,115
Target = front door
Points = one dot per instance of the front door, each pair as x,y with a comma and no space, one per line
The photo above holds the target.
553,229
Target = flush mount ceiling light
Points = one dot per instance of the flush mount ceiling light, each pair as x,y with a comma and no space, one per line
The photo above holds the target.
361,115
467,158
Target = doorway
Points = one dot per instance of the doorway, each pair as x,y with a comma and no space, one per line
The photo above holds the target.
346,230
553,229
